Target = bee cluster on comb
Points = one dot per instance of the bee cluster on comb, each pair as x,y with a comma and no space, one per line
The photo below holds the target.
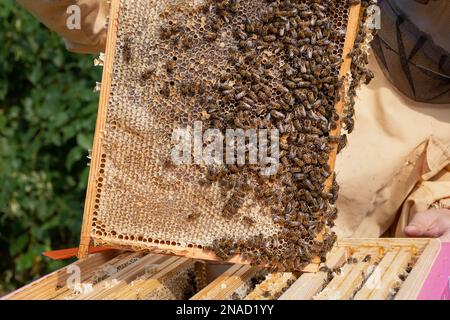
241,65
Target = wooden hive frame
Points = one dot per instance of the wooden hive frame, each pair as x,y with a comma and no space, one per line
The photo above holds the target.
133,278
389,258
55,283
86,238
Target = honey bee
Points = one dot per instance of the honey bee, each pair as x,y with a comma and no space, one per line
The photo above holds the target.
193,216
170,65
240,34
349,124
248,220
352,260
290,84
165,90
240,95
167,164
126,53
270,38
166,32
342,142
186,42
369,75
332,214
402,276
210,36
277,114
148,73
245,74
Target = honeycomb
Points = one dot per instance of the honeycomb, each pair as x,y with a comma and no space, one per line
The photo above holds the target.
228,64
178,286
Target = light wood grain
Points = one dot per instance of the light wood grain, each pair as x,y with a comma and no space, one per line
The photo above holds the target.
201,295
354,17
194,253
271,286
390,278
415,280
49,286
357,275
375,278
419,243
331,291
85,238
310,284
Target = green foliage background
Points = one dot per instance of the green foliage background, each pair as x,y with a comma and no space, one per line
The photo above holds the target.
47,117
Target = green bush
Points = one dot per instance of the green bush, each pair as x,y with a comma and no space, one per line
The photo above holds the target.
47,118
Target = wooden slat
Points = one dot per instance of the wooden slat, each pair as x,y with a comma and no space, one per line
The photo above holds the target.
415,280
218,281
310,283
390,278
375,278
352,32
271,286
196,253
85,238
357,275
419,243
331,291
50,285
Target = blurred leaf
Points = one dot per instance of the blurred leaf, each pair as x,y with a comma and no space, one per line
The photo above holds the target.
19,244
74,155
85,140
24,261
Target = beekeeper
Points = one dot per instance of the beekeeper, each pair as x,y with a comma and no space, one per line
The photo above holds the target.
395,172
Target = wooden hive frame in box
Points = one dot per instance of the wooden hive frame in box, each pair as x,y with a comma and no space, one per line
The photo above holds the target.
356,269
383,269
88,237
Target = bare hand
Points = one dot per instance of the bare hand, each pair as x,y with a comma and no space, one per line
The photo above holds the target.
433,223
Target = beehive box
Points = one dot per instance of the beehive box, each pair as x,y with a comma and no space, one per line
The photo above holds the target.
373,269
288,68
355,269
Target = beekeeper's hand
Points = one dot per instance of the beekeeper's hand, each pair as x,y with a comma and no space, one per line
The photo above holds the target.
81,23
433,223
